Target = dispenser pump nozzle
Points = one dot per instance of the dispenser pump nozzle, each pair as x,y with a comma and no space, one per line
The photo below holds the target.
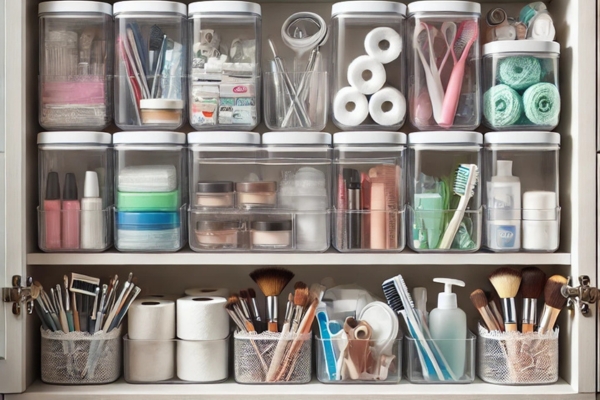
447,299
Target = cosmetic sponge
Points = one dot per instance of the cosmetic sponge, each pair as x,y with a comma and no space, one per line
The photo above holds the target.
147,178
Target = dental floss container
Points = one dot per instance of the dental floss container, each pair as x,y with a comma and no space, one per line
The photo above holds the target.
504,208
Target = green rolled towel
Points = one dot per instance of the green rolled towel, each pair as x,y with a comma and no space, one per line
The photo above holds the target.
502,106
520,72
542,104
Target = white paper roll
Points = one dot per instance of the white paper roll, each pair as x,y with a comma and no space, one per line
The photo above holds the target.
384,44
160,296
366,74
149,360
202,361
208,291
202,318
151,319
392,116
353,116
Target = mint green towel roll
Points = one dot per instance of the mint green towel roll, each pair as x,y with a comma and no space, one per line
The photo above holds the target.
542,104
519,72
502,106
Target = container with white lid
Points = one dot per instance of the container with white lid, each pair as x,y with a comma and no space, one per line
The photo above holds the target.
369,186
520,85
444,64
150,64
75,186
224,65
75,65
444,191
521,195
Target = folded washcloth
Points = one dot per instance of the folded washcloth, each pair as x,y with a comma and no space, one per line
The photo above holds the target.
542,104
147,178
519,72
502,106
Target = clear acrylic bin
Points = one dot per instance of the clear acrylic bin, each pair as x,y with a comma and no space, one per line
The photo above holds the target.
414,369
369,231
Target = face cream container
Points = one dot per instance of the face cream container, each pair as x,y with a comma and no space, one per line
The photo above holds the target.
221,234
271,234
215,194
256,194
161,111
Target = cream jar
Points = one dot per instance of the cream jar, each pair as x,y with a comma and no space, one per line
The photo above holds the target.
221,234
271,234
161,111
215,194
256,194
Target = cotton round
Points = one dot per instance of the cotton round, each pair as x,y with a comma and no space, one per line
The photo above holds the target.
502,106
376,37
358,67
542,104
519,72
393,116
346,96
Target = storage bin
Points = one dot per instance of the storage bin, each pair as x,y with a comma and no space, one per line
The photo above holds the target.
368,205
444,65
151,51
368,65
150,191
520,85
521,191
75,189
444,191
225,56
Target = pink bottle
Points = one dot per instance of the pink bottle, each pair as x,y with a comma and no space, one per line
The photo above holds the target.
70,214
51,210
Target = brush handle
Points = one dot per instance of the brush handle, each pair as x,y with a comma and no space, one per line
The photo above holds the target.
456,220
512,327
273,326
63,321
488,319
548,318
279,353
70,321
76,324
527,328
497,316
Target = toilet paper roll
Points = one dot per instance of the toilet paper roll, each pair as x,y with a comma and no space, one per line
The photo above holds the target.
159,296
149,360
366,74
202,318
384,44
347,115
202,361
151,319
394,115
208,291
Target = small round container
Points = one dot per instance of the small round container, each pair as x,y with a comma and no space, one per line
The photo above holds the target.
161,111
261,194
271,234
220,234
215,194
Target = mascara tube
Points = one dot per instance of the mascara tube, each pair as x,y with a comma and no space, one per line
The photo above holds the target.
353,195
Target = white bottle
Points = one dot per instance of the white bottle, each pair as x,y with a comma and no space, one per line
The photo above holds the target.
504,209
448,327
93,227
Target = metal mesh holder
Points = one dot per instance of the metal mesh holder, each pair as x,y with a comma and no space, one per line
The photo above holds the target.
514,358
248,367
79,358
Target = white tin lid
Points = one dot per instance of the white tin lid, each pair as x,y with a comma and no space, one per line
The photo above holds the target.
523,137
74,7
149,6
445,137
161,104
444,6
300,138
368,7
149,137
218,137
225,7
521,46
368,137
73,137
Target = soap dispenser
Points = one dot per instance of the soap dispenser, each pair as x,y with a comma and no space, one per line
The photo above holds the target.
448,327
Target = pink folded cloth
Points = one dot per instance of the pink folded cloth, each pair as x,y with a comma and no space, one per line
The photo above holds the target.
73,92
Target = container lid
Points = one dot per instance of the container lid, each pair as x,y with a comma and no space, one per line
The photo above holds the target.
149,137
74,7
149,6
368,137
524,137
217,225
214,187
444,6
445,137
218,137
224,6
368,7
256,187
299,138
73,137
285,225
161,104
521,46
148,218
539,206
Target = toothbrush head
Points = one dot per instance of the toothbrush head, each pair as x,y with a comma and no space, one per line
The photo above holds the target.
466,180
391,290
466,34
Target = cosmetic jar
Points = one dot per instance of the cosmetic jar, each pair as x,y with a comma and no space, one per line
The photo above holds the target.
148,231
256,194
540,221
271,234
221,234
161,111
215,194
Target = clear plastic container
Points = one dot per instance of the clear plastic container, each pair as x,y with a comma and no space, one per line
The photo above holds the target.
369,191
439,220
367,89
75,187
225,55
521,196
76,65
150,191
520,85
150,65
444,65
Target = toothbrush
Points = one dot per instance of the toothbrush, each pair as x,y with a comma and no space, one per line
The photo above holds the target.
434,85
329,353
464,186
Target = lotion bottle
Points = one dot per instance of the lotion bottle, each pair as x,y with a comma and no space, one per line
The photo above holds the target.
93,231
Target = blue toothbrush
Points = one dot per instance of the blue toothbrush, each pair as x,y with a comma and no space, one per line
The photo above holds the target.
329,353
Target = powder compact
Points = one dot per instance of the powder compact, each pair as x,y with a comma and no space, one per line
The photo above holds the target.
161,111
271,234
215,194
256,194
221,234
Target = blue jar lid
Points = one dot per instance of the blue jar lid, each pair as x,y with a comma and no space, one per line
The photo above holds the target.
147,220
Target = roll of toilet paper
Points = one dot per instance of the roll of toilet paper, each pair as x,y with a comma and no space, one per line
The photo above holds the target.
151,319
149,360
384,116
160,296
383,44
202,318
350,107
202,361
208,291
366,74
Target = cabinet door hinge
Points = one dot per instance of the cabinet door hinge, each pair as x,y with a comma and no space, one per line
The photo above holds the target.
18,294
582,295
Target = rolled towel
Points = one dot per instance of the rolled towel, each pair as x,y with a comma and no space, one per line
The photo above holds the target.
542,104
520,72
502,106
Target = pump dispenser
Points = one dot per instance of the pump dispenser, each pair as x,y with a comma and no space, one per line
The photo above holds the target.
504,209
448,327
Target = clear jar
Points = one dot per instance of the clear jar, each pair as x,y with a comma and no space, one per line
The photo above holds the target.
268,234
368,204
150,65
225,53
521,191
76,65
368,60
443,81
75,187
150,191
441,219
520,85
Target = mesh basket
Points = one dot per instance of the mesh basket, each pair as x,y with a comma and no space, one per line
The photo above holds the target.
79,358
514,358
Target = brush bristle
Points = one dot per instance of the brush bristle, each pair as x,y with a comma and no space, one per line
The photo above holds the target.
272,281
552,292
316,292
461,180
243,294
392,296
300,294
533,280
252,293
479,299
506,281
232,301
156,38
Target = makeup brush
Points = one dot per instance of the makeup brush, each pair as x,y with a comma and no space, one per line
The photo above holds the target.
283,340
480,302
229,307
238,306
495,307
533,280
271,282
254,307
300,301
555,301
245,304
506,281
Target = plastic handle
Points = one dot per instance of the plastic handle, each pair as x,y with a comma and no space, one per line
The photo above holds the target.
453,94
328,352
